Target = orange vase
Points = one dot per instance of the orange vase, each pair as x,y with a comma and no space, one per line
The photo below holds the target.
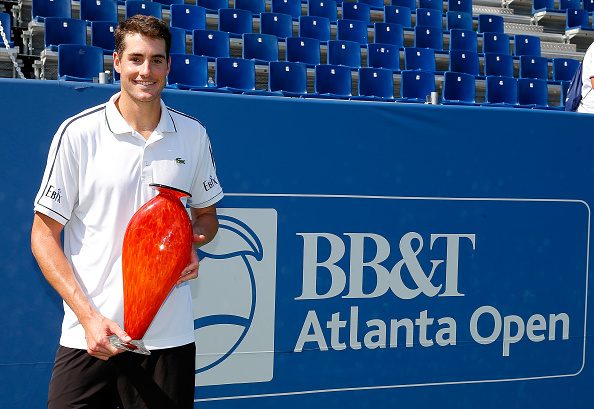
157,247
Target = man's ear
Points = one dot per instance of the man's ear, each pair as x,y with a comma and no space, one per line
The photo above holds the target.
116,62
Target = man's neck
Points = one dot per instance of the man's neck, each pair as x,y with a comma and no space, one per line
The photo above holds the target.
143,117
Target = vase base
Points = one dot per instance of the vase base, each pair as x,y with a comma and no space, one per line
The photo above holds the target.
132,346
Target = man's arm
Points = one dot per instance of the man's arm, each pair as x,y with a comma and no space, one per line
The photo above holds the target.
47,249
206,225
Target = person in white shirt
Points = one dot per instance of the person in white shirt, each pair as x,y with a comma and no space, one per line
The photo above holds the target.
587,102
100,167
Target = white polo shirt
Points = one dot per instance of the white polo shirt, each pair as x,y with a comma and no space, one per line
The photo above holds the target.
97,176
587,104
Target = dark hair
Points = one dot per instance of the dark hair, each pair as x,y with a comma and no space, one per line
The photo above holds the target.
148,26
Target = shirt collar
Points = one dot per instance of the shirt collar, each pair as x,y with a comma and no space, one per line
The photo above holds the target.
118,125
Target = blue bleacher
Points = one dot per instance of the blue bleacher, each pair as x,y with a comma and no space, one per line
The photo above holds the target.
375,84
290,78
352,30
61,30
188,17
262,48
278,24
79,62
383,56
99,10
188,72
416,85
342,52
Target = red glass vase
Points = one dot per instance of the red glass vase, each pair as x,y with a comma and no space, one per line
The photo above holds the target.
157,247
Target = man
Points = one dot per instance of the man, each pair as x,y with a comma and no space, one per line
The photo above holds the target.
587,103
99,168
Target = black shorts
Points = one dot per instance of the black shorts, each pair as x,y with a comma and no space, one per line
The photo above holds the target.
164,379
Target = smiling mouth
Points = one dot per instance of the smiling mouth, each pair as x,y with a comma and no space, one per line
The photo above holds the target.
145,83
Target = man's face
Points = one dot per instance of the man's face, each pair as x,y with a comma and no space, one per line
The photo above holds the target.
143,67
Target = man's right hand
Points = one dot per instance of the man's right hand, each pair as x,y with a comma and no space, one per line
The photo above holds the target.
97,332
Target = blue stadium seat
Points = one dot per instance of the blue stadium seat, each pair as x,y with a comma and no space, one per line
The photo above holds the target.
188,72
278,24
419,59
569,4
490,23
415,86
463,40
431,4
543,5
290,7
388,33
147,8
79,62
61,30
211,43
303,49
341,52
526,45
588,5
213,6
411,4
166,4
236,22
429,18
332,81
374,4
464,6
323,8
375,84
578,18
257,7
102,35
428,37
178,40
498,65
237,75
459,19
532,93
99,10
383,56
564,68
497,43
289,78
356,11
398,15
262,48
534,67
463,61
314,27
458,89
40,9
352,30
564,90
501,92
188,17
6,21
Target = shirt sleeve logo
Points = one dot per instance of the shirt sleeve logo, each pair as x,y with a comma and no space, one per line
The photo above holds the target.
54,194
210,183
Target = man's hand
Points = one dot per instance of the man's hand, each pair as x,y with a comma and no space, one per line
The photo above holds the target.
191,271
97,332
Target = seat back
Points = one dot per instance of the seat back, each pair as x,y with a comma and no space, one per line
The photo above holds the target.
532,92
147,8
577,18
564,68
323,8
460,5
341,52
303,49
60,30
388,33
260,47
352,30
419,59
411,4
431,4
490,23
499,65
257,7
534,67
187,69
278,24
497,43
213,5
374,4
417,84
333,79
399,15
464,61
383,56
188,17
459,19
235,73
588,5
290,7
168,3
5,20
236,21
538,5
429,18
569,4
287,76
211,43
526,45
81,61
458,87
178,40
428,37
102,35
501,90
314,27
40,9
376,82
463,40
356,11
99,10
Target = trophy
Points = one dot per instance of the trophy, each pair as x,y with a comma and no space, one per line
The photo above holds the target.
157,247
